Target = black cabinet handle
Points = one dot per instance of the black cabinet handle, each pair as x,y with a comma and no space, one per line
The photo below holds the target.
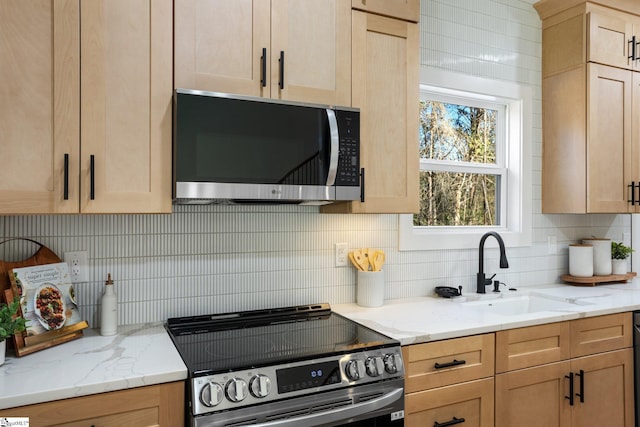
362,185
66,177
632,48
449,364
632,187
263,75
281,80
451,422
570,397
581,394
92,169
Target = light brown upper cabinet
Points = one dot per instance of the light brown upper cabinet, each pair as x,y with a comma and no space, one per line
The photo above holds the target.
279,49
87,120
590,96
409,10
385,88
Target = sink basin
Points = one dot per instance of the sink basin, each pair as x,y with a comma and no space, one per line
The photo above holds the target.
523,304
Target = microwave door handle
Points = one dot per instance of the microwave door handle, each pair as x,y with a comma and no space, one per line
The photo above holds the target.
335,147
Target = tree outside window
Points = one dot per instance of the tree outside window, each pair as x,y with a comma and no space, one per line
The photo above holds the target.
460,177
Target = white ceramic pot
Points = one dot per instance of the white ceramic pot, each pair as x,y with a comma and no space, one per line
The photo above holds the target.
581,260
601,255
618,266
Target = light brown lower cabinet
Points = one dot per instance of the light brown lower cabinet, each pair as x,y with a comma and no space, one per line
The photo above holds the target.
541,396
469,404
155,405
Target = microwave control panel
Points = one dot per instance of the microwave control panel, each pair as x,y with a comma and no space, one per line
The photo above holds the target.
349,157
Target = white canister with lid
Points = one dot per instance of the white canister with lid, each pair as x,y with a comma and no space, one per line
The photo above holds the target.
581,260
601,255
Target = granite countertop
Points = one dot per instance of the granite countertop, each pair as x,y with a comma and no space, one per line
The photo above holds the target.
139,355
423,319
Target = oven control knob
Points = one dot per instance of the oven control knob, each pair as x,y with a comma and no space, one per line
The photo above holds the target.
260,386
392,363
236,389
374,366
211,394
352,370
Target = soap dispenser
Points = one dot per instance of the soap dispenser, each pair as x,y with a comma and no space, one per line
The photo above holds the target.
109,313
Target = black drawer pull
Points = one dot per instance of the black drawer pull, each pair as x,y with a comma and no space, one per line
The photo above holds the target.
449,364
581,394
570,397
452,422
632,49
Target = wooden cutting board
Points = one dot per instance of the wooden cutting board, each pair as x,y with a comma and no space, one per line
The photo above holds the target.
43,255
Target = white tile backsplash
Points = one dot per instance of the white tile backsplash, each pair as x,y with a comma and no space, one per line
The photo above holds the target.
205,259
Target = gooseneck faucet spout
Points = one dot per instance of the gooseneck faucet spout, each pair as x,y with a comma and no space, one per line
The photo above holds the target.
482,281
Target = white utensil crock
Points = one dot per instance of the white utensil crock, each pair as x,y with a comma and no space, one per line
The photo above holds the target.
370,288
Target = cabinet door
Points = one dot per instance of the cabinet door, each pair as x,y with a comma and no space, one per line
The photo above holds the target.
635,141
534,397
608,139
610,39
408,10
219,46
470,403
39,114
314,39
385,88
607,386
126,63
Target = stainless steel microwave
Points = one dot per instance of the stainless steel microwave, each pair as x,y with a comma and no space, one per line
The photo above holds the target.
231,148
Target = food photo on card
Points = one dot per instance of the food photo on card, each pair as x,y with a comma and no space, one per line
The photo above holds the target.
47,297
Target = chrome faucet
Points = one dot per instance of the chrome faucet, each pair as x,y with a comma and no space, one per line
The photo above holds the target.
482,281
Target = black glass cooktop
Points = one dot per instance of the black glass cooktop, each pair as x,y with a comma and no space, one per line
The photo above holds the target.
233,341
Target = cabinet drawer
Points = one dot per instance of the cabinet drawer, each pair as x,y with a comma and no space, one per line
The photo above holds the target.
603,333
441,363
161,404
532,346
409,10
471,401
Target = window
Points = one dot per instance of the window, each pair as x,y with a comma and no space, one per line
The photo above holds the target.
475,157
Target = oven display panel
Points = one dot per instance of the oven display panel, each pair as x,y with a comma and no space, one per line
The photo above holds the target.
308,376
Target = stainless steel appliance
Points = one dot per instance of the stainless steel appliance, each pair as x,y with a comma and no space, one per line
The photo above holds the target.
294,366
245,149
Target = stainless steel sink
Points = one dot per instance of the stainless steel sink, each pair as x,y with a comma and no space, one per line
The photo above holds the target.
518,305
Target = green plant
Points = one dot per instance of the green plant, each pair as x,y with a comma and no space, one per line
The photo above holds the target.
10,322
620,251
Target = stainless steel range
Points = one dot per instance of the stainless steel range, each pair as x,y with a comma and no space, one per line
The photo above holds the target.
292,366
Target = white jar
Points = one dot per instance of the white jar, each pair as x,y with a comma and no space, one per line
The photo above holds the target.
581,260
601,255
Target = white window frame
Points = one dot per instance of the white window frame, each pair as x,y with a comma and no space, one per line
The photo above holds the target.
516,213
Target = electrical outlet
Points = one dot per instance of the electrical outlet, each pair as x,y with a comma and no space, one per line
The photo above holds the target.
341,254
552,245
78,266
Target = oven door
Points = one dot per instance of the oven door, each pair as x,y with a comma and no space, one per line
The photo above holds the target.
372,405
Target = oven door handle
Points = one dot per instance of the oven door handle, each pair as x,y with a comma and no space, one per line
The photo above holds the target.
339,414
